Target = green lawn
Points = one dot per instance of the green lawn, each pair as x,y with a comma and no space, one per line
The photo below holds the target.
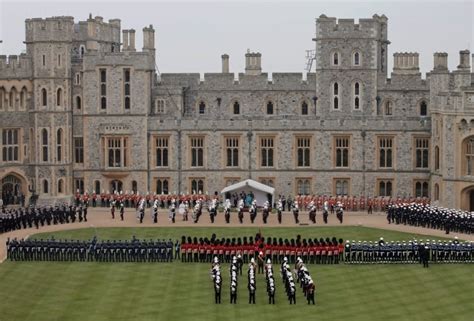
39,291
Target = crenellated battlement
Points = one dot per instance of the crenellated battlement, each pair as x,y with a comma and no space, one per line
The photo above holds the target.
49,29
331,27
15,66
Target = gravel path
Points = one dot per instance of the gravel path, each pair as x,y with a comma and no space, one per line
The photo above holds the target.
100,217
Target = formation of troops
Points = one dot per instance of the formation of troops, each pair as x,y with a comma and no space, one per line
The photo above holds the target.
413,251
12,219
439,218
349,203
134,250
318,251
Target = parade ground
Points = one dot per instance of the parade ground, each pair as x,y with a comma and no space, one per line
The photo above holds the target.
183,291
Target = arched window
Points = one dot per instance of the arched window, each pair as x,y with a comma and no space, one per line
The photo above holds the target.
134,186
385,188
356,59
423,108
83,51
421,189
97,187
436,192
44,143
269,108
335,95
2,97
335,59
45,186
44,97
303,186
202,107
197,186
13,93
60,186
59,145
23,98
162,186
388,108
469,156
236,108
78,102
356,97
436,158
304,108
59,97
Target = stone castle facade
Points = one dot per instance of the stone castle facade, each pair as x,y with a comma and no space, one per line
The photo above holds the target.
82,109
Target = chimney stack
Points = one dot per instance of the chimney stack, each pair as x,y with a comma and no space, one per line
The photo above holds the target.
149,39
464,60
406,63
125,40
440,61
131,45
225,63
253,63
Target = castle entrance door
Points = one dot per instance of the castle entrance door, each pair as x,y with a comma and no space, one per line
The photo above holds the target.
11,190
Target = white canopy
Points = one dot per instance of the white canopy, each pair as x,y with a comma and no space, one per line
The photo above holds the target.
259,190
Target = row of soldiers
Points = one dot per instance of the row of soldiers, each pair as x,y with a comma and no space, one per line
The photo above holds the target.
431,217
413,251
319,251
305,280
134,250
12,219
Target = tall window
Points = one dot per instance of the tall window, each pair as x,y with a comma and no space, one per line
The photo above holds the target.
356,97
421,189
197,185
2,97
469,156
10,145
197,151
421,152
44,145
103,88
436,192
335,96
116,152
126,88
134,187
356,59
97,187
341,187
78,102
423,108
304,108
160,106
162,151
436,158
162,186
266,151
303,186
269,108
232,151
385,187
303,147
385,152
23,98
60,186
59,60
342,151
236,108
78,79
45,186
59,145
79,150
44,60
202,107
335,59
79,185
388,108
12,98
59,97
44,97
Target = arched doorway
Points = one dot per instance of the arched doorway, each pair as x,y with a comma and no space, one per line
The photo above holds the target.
12,190
116,186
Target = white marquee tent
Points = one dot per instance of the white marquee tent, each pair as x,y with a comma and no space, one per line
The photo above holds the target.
259,190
